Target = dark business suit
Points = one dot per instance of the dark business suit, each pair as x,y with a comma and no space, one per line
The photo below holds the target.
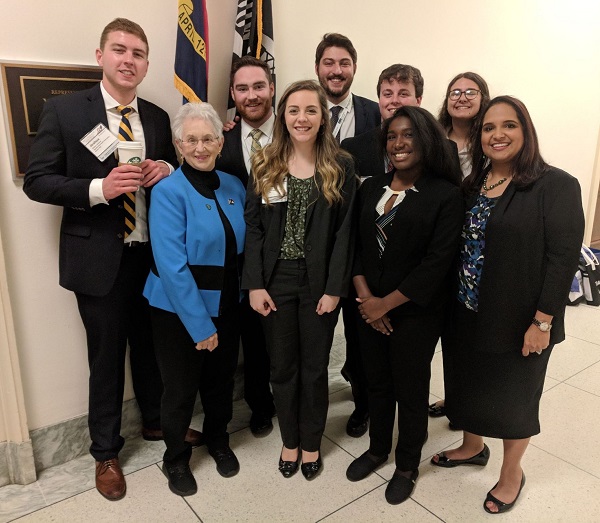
366,114
257,391
298,339
106,276
421,245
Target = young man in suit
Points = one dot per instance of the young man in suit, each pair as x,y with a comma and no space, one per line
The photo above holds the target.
252,90
335,66
102,260
397,85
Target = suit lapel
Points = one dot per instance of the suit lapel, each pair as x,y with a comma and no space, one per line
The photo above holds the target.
149,129
359,115
97,114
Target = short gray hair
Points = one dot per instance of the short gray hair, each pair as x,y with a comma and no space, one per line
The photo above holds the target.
202,111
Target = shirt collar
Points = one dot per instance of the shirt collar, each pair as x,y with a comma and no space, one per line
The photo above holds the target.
346,103
111,104
266,128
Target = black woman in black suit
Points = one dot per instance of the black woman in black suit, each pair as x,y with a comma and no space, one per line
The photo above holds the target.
409,226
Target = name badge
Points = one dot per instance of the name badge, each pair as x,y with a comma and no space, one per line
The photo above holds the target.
277,197
100,142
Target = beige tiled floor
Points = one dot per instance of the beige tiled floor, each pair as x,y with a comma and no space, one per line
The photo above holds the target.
563,481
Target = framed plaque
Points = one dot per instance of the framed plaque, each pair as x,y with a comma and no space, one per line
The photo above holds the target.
25,88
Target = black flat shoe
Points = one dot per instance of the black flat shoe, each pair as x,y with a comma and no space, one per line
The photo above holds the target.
400,487
502,507
289,468
181,479
364,465
312,469
436,411
260,425
357,425
480,459
227,464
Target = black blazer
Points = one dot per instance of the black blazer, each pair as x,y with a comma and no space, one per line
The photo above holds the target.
232,155
328,239
60,171
532,243
367,151
421,247
366,114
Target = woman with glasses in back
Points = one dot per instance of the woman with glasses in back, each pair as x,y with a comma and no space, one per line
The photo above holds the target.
466,95
197,231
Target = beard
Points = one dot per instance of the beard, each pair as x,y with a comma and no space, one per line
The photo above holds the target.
340,92
255,114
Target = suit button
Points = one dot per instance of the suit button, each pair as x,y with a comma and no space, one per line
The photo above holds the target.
120,236
119,206
308,248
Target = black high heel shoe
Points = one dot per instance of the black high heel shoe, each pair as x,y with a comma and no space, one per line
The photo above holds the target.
289,468
312,469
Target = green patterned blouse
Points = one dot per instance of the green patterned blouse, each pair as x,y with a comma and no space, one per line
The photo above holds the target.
292,247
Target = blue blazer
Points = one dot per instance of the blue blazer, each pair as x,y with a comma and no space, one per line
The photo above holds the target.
186,230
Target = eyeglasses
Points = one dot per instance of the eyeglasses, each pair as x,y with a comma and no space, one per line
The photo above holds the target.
207,141
470,94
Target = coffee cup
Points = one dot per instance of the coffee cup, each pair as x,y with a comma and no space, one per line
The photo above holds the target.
130,153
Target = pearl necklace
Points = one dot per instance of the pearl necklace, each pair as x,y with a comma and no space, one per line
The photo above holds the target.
486,189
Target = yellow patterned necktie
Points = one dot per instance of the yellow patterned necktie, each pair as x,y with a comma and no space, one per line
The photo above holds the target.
255,146
126,135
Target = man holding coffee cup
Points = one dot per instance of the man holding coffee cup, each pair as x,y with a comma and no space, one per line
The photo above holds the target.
102,259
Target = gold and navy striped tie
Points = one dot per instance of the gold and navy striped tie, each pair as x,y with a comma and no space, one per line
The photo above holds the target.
126,135
255,146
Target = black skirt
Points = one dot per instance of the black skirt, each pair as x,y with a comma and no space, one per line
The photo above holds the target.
491,394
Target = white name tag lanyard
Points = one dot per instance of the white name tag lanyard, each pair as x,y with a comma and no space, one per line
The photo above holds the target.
100,142
340,122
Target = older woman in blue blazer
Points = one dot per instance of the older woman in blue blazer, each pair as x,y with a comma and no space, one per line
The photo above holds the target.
197,231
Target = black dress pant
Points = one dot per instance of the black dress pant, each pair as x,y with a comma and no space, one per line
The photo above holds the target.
398,370
257,391
110,321
299,341
186,371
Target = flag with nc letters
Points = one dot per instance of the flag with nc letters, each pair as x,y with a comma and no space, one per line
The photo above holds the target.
253,35
191,54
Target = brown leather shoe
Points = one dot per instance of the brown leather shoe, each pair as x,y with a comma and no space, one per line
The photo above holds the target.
110,481
193,437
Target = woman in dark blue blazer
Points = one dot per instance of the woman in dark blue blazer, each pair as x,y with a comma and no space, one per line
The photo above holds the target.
297,263
197,230
520,247
408,228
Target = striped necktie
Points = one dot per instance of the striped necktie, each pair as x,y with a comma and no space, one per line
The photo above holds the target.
126,135
255,135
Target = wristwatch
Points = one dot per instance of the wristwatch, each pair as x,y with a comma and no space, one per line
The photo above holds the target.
544,326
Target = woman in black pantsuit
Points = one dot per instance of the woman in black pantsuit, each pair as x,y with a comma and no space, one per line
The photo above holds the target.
297,264
519,252
409,225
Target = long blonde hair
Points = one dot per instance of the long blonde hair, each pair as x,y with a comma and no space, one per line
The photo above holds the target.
270,164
